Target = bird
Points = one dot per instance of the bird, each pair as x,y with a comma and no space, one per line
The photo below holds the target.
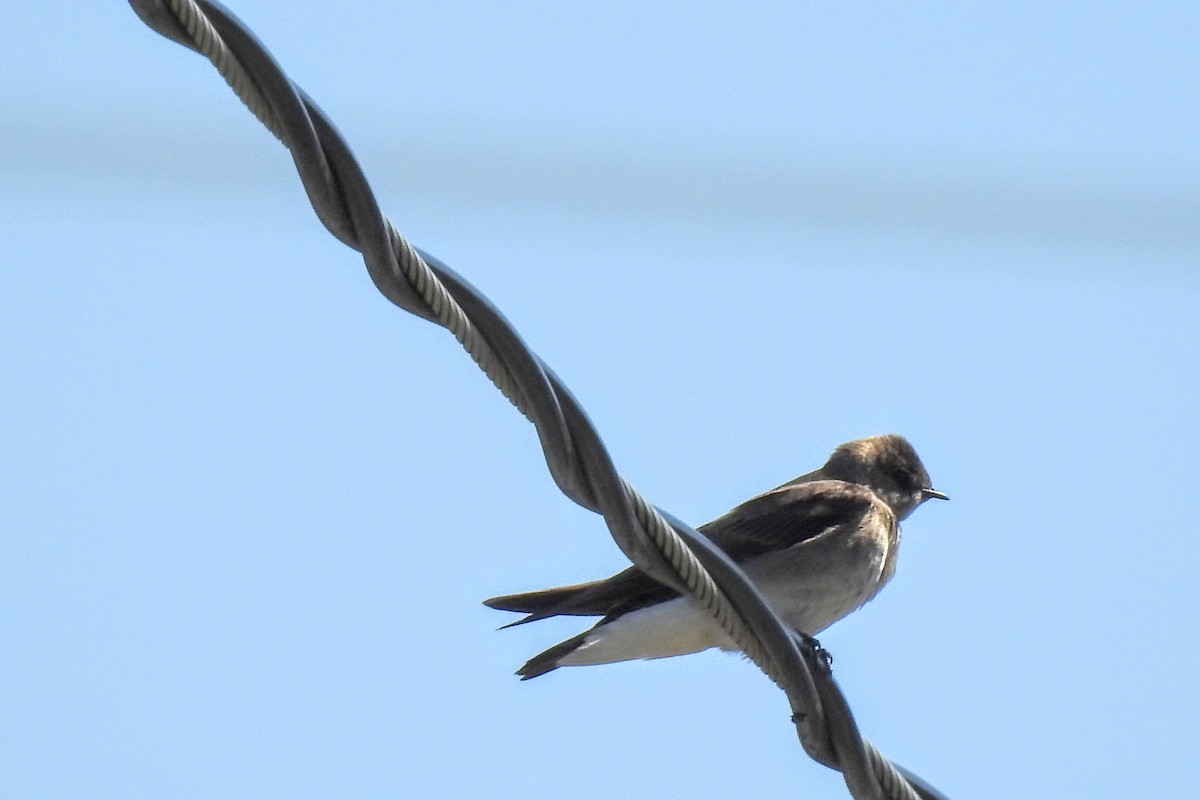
817,547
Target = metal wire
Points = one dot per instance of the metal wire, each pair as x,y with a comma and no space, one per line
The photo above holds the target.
664,547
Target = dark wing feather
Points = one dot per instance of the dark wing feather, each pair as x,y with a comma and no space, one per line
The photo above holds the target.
788,516
777,520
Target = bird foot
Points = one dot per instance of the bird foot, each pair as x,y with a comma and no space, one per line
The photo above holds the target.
812,646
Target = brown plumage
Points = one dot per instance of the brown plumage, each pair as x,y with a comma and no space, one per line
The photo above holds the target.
818,547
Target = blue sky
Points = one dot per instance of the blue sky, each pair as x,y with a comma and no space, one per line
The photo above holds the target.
250,508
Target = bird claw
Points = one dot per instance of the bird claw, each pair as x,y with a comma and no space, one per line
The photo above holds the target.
813,647
808,641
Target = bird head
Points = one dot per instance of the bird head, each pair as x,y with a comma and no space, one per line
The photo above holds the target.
889,466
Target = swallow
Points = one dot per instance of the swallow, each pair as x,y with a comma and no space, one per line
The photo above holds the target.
818,547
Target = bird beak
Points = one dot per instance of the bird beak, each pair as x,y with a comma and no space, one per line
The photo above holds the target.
927,494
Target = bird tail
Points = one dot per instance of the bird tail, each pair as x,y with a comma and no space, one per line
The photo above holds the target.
548,660
543,603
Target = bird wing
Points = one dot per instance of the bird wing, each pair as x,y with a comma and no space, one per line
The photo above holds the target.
788,516
777,520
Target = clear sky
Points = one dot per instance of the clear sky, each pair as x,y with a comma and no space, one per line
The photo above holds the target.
248,508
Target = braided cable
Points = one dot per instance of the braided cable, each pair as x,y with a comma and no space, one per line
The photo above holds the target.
662,546
445,311
892,782
451,317
209,43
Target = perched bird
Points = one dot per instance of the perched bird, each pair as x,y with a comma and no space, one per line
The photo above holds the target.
817,547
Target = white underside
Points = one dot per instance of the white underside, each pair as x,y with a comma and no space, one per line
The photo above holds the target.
672,628
808,597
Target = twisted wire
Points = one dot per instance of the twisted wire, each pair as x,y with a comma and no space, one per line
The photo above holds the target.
447,313
890,779
664,547
209,42
451,317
